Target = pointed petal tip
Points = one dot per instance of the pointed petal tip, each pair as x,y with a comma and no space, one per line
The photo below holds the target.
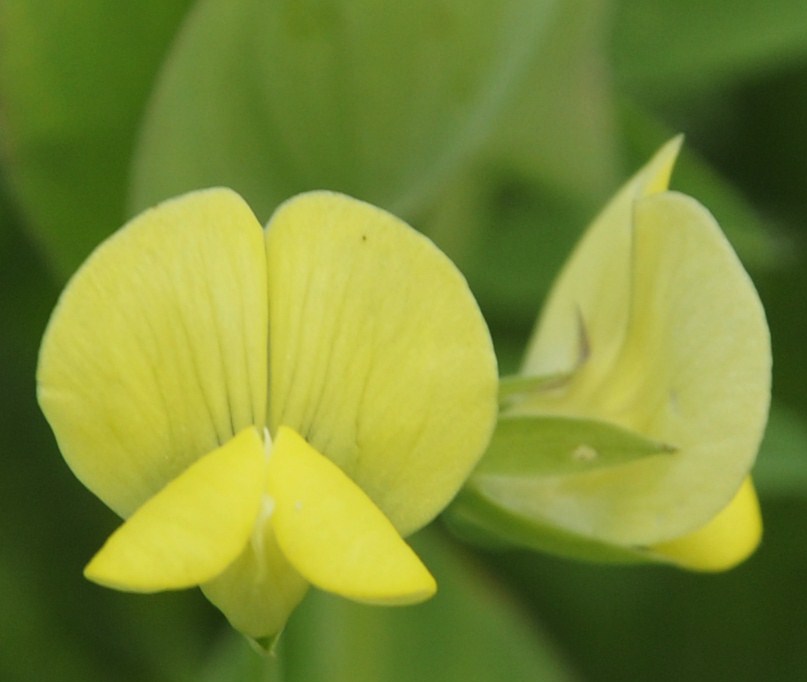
416,586
656,174
422,588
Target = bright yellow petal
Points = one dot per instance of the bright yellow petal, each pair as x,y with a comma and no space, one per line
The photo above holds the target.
333,533
156,353
193,528
725,541
379,355
693,372
593,289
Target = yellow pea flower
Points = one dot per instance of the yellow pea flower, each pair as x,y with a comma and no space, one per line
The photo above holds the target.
653,328
268,409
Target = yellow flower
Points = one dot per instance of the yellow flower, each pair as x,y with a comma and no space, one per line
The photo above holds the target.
653,336
272,408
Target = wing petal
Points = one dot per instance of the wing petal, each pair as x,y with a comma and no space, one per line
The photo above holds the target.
334,535
193,528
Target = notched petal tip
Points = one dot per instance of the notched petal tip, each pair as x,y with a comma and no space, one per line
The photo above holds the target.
191,530
334,535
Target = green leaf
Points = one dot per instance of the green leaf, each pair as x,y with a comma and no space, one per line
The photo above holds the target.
29,623
561,129
704,41
514,214
73,82
516,236
781,468
472,630
527,446
379,100
58,525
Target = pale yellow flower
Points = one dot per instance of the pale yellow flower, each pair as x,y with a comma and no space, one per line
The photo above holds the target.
653,330
272,408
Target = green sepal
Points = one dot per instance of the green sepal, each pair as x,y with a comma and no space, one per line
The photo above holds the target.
516,386
526,446
477,519
265,646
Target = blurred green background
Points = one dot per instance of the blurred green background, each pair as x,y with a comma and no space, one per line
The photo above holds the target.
496,128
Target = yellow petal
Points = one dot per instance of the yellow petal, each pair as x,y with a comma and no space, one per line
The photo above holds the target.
729,538
333,533
156,353
594,285
693,372
193,528
379,355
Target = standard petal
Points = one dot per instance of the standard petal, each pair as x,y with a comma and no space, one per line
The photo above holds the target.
192,529
156,353
379,354
693,373
729,538
586,313
334,535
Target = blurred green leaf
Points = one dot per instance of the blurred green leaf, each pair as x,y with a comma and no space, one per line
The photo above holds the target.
28,625
526,237
560,132
454,220
666,625
28,620
74,77
662,48
233,658
526,446
781,468
472,630
510,219
380,100
509,236
54,625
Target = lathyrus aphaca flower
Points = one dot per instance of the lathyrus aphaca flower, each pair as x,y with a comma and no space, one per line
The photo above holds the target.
630,432
268,408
